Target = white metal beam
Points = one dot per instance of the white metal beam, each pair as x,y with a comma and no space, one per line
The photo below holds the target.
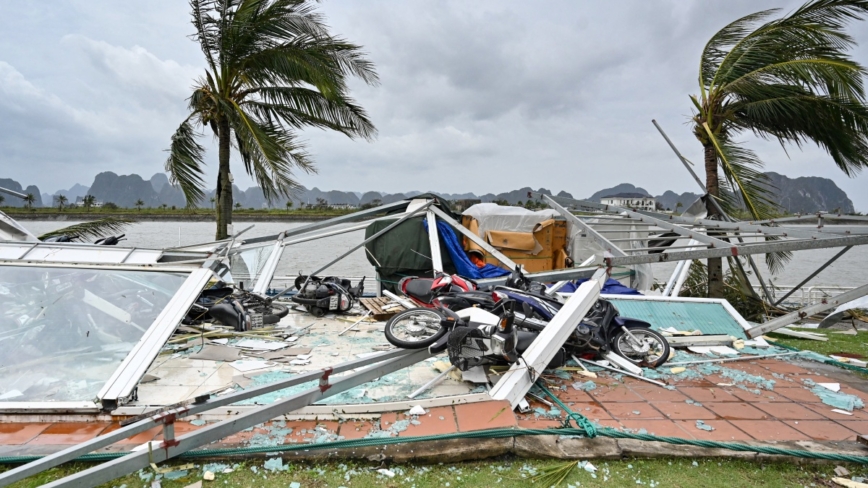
119,387
596,236
802,313
434,242
263,281
521,376
509,263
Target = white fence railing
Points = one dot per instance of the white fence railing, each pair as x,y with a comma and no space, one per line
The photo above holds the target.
806,295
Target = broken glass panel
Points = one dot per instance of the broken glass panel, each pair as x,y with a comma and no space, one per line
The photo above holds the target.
245,264
64,330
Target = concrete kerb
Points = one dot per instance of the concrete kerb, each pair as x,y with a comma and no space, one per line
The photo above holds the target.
546,447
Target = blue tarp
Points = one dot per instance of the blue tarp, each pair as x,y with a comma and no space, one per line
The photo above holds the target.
612,287
463,265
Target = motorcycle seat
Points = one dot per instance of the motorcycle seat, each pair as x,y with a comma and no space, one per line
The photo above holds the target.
419,288
525,339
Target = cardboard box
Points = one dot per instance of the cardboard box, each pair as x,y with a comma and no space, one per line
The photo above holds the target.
542,250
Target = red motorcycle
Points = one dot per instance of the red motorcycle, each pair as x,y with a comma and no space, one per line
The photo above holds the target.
427,292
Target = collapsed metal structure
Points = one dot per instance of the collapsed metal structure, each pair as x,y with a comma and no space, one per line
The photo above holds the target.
654,238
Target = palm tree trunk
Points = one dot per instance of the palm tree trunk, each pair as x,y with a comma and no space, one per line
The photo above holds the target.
224,183
712,186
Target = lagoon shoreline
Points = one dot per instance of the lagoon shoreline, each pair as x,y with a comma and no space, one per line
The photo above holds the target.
161,217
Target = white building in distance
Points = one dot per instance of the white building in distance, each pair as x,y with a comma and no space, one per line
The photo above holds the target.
636,201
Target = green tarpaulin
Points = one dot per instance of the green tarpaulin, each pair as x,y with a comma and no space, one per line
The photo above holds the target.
403,251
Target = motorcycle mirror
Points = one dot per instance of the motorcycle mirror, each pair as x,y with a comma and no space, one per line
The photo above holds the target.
450,315
508,317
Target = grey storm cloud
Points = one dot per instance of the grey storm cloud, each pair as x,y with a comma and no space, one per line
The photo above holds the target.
474,96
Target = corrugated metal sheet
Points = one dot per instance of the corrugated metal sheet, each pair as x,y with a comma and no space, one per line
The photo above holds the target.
710,318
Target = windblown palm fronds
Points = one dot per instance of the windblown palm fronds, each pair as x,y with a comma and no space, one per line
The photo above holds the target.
272,68
789,79
91,230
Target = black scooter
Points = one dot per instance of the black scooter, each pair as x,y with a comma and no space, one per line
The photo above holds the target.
329,294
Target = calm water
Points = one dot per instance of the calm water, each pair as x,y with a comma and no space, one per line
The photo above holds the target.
849,270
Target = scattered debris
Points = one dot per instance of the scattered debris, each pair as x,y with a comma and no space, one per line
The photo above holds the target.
417,410
245,365
275,465
703,426
217,353
849,483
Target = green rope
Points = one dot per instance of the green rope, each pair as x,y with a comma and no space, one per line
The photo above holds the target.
482,434
732,446
584,428
581,421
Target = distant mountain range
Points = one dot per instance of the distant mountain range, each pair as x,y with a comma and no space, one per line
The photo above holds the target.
796,195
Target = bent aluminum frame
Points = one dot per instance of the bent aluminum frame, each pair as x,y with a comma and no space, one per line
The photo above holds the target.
391,361
802,313
171,447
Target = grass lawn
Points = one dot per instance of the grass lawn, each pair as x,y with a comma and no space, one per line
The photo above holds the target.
837,343
663,473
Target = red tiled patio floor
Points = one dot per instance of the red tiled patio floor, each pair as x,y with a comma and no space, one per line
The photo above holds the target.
484,415
789,412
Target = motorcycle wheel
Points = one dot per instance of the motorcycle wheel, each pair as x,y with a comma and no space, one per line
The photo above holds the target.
271,313
317,312
416,328
658,352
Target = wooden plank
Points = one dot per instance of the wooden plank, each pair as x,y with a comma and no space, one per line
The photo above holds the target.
376,304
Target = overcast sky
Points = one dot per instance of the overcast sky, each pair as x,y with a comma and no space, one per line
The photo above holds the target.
475,96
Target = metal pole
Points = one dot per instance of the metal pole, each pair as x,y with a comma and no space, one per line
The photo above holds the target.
330,222
434,242
355,323
599,239
723,360
716,207
475,238
12,192
681,158
436,380
132,462
815,273
148,423
621,371
802,313
354,248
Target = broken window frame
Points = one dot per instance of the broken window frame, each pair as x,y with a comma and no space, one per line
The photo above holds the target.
120,387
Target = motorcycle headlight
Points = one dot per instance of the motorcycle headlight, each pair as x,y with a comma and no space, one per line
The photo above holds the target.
503,344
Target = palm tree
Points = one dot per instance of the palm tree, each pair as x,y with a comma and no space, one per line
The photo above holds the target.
28,200
61,201
288,205
212,201
789,79
272,68
139,204
2,199
88,201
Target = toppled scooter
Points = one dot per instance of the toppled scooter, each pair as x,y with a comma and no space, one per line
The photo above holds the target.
240,309
601,334
330,294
